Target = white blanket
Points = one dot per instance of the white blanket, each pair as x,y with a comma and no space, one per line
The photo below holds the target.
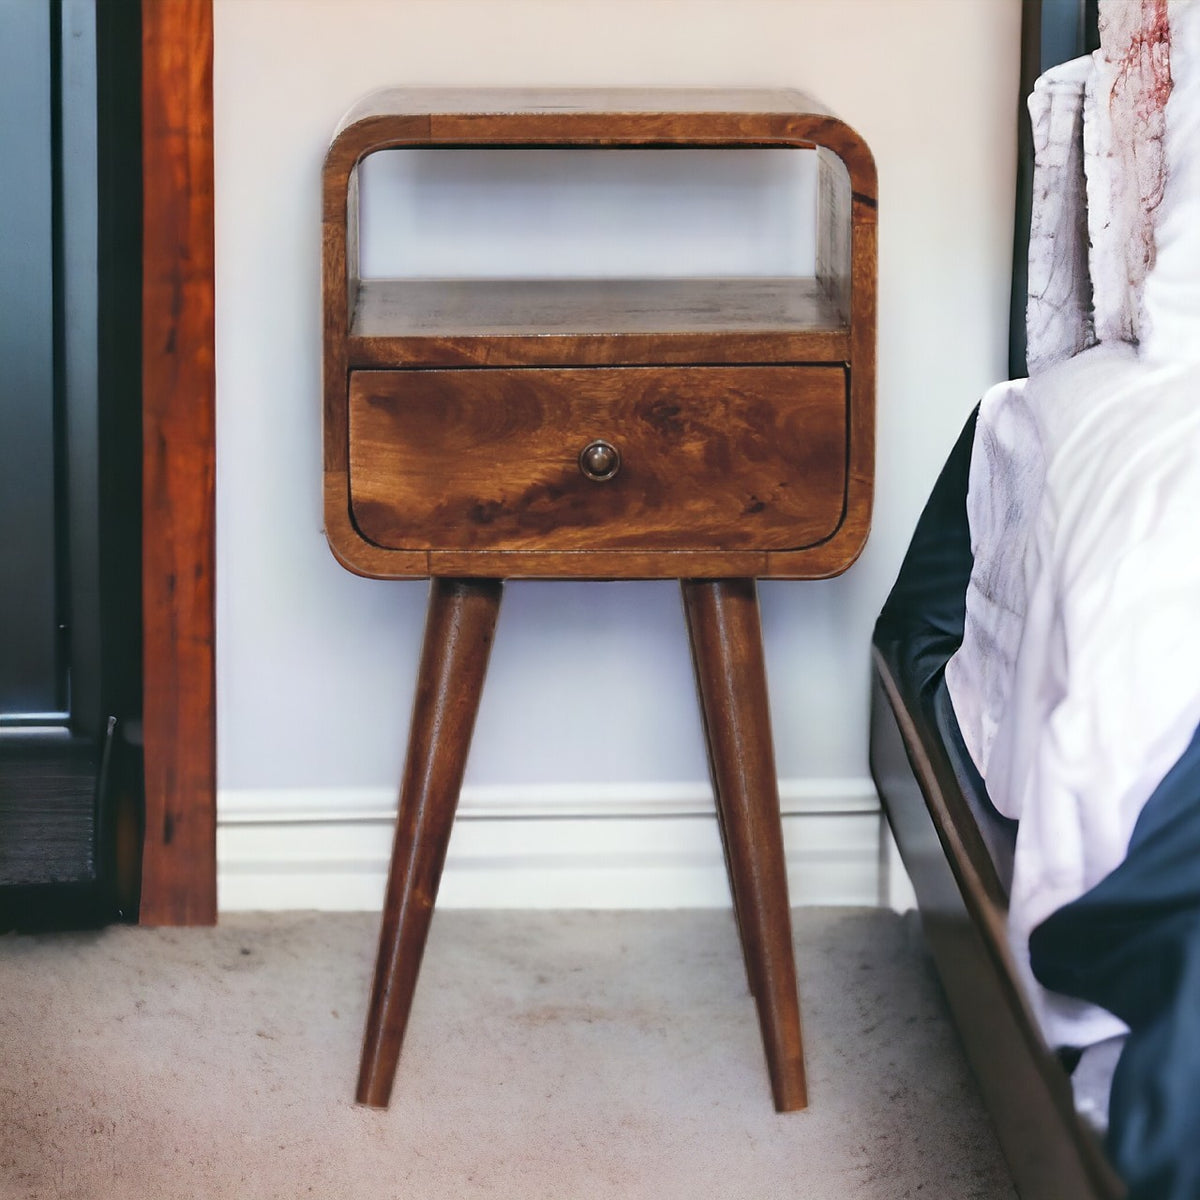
1078,683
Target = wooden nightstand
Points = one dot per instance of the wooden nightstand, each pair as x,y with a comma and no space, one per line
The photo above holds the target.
714,431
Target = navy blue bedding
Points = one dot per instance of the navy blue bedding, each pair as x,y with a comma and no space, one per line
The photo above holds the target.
922,620
1132,943
921,626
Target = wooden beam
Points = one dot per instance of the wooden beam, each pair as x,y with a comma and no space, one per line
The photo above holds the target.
179,858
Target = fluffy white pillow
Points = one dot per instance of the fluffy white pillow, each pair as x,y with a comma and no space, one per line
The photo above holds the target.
1123,131
1171,301
1058,316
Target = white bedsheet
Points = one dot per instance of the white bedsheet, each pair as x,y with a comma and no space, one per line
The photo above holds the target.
1078,682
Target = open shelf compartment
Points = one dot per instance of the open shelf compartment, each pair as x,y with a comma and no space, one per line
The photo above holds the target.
514,322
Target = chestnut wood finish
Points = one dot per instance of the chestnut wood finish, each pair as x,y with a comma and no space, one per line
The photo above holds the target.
715,783
711,458
594,322
726,637
179,856
458,638
829,319
706,430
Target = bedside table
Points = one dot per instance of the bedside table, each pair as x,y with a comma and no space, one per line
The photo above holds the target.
714,431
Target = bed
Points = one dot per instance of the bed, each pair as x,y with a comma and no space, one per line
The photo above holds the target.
1071,970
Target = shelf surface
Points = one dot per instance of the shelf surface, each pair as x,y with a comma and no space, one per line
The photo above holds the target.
530,321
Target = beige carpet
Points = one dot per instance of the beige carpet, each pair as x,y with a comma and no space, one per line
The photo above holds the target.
564,1056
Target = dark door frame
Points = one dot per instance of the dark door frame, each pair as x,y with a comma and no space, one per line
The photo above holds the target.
179,867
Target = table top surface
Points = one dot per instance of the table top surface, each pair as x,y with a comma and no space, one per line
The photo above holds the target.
401,101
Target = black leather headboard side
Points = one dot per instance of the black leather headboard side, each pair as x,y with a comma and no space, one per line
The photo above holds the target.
1052,32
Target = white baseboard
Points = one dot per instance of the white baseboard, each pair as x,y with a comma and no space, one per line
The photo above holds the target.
570,846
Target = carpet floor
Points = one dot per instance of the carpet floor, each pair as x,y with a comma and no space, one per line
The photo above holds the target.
565,1056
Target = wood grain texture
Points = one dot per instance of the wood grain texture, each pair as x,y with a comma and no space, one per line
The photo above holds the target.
459,630
597,564
179,860
539,322
340,267
712,458
744,927
389,324
743,411
726,635
833,233
556,103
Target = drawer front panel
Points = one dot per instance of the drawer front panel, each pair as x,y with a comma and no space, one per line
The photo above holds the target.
710,458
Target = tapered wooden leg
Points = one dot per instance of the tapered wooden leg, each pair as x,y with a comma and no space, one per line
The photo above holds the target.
743,932
458,636
726,633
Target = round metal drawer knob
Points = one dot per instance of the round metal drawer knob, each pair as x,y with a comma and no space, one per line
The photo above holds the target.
599,460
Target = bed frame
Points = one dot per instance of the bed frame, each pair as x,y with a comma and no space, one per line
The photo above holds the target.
937,825
958,852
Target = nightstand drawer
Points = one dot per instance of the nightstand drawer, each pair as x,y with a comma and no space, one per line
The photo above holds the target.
683,458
